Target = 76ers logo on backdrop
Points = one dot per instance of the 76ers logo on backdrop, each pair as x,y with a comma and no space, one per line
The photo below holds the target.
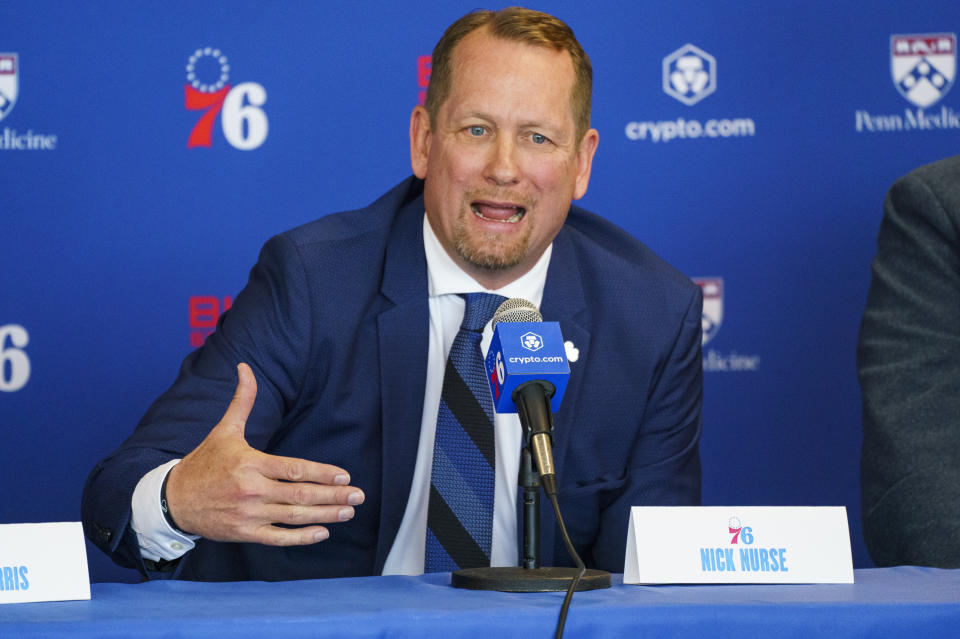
14,363
244,123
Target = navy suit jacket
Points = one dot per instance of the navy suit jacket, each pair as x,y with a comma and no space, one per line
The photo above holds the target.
334,323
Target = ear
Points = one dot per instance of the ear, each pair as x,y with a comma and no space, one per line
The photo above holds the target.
588,146
419,141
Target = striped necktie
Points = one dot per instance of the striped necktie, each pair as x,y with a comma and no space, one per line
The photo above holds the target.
460,514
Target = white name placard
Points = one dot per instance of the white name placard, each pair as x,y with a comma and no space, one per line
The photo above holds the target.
738,545
43,562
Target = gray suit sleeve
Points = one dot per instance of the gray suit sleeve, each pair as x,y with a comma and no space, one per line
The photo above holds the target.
908,363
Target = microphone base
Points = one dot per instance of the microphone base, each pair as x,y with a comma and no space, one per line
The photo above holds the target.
516,579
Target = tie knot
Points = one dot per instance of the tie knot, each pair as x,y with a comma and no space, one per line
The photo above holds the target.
480,308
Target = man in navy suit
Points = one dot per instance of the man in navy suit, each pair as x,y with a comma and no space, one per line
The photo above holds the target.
334,351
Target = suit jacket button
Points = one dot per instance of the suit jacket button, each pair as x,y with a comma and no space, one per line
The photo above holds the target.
104,533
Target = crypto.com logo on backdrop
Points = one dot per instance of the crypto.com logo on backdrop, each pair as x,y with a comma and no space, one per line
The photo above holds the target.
689,74
207,89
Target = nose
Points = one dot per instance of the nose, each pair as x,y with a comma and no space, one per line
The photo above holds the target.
502,168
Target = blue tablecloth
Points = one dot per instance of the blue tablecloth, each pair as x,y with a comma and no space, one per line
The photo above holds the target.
891,602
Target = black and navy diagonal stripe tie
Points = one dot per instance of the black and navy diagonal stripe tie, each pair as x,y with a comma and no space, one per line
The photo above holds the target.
460,514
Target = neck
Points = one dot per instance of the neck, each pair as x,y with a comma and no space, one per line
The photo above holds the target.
494,279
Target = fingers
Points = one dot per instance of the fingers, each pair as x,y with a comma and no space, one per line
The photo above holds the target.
272,535
228,491
299,470
276,536
307,515
235,419
306,494
259,521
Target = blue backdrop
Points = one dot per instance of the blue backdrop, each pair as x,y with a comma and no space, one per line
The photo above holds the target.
749,143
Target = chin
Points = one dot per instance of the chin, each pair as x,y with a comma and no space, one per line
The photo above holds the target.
488,260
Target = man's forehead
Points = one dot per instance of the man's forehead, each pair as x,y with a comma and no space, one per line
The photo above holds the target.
475,47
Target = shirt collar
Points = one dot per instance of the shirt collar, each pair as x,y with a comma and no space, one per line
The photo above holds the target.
445,277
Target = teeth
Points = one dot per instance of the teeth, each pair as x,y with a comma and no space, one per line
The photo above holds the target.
513,219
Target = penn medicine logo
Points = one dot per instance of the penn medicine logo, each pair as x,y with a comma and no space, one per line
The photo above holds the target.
10,138
715,361
531,341
923,66
712,318
9,84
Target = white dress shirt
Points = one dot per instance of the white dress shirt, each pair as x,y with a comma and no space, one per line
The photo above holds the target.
446,281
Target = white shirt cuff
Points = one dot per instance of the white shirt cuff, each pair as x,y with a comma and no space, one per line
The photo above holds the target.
156,538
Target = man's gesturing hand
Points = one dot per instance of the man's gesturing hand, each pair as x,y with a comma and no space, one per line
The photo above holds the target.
227,491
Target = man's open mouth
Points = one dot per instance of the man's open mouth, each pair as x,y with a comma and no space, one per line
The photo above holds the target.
505,213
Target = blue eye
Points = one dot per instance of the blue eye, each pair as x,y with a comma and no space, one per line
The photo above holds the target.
476,131
538,138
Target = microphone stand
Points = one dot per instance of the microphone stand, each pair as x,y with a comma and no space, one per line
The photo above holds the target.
530,576
530,482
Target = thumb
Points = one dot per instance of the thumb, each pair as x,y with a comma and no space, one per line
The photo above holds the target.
235,419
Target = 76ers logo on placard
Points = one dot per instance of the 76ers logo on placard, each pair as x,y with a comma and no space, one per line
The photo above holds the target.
9,84
923,66
739,531
244,123
712,318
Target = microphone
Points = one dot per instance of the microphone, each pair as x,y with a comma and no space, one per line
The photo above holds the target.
528,373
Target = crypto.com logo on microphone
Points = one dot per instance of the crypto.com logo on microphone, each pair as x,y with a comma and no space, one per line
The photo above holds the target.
531,341
207,89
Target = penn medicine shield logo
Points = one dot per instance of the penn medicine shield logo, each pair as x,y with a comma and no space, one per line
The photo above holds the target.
712,317
689,74
9,83
923,66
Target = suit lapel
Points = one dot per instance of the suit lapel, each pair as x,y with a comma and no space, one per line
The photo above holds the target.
403,333
564,302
